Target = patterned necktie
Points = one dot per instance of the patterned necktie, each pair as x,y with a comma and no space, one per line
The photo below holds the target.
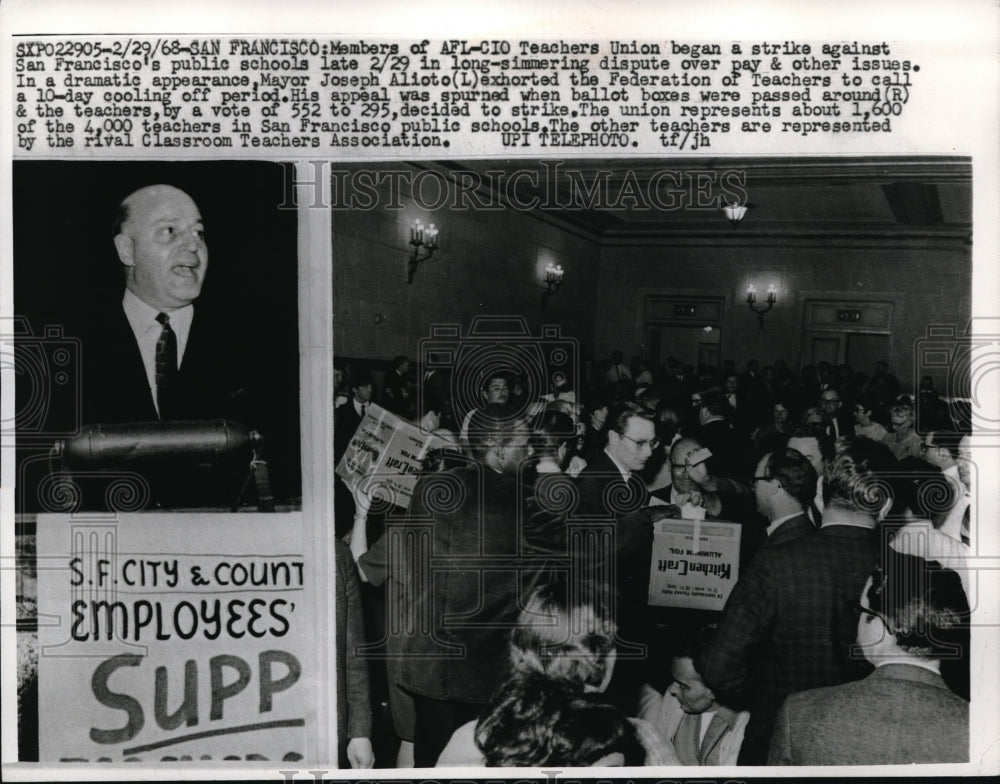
166,365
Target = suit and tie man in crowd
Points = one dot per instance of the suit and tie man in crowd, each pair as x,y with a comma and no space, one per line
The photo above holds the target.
911,614
783,487
346,419
495,390
841,422
817,447
788,624
348,416
611,493
730,446
396,395
611,490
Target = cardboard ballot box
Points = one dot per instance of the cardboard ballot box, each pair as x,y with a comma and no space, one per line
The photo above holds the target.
695,564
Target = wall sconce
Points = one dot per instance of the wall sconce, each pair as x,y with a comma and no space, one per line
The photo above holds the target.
772,297
421,236
735,213
553,280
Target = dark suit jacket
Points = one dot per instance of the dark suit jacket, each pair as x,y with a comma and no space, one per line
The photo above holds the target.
354,711
393,394
845,421
900,714
730,449
604,495
789,624
455,578
211,384
791,529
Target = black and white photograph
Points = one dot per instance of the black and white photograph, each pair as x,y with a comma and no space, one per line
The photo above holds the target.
120,265
697,411
578,390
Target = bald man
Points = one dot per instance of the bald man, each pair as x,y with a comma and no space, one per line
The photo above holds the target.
155,355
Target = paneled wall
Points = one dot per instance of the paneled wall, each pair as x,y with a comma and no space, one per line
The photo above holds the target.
490,262
925,286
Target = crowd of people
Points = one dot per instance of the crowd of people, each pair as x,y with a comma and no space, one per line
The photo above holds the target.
506,607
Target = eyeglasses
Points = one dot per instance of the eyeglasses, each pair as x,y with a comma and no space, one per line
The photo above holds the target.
651,443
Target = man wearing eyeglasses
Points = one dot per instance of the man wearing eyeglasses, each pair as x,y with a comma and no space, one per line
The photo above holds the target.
911,614
787,625
841,424
631,441
609,488
783,486
691,482
611,492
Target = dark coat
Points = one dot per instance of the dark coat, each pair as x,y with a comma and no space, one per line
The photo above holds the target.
457,554
730,449
212,381
604,495
845,423
789,625
345,422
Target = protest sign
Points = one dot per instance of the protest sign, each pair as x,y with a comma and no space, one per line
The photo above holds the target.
385,456
171,637
695,564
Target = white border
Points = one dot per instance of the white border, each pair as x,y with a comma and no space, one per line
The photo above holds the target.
962,37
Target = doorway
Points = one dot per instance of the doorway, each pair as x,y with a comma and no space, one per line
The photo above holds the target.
690,345
685,327
855,332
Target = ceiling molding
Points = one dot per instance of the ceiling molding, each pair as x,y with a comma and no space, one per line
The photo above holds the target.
594,199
